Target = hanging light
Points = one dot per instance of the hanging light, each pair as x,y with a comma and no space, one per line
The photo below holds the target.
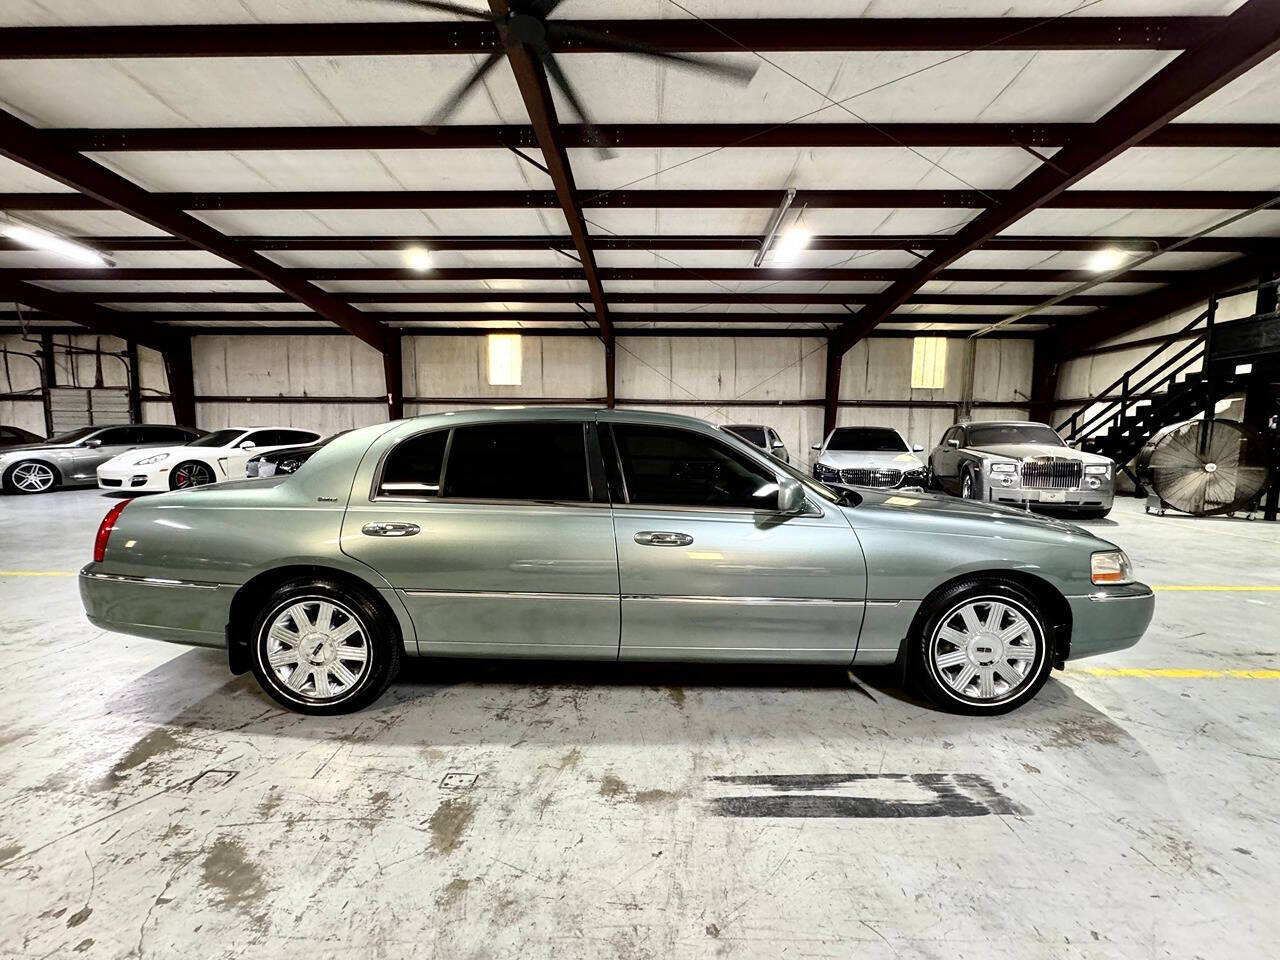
1108,259
791,244
416,258
52,243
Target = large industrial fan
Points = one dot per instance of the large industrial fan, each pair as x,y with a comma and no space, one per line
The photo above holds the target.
1205,467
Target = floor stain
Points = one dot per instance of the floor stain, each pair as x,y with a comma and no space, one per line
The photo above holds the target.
7,853
270,804
612,787
235,880
676,696
1081,730
79,917
454,893
654,796
380,801
571,759
155,744
713,931
449,823
84,945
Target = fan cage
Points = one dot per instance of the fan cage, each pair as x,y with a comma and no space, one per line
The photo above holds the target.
1205,468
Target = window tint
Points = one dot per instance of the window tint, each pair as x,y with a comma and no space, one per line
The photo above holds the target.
117,436
750,434
519,461
413,468
298,437
665,466
219,438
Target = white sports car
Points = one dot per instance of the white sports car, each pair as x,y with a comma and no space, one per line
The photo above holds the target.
215,457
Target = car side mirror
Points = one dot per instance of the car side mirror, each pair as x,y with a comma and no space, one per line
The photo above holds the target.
815,446
953,443
95,442
248,445
778,445
790,495
916,448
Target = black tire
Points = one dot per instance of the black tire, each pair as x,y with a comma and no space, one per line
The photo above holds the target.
22,468
967,477
382,644
190,473
944,609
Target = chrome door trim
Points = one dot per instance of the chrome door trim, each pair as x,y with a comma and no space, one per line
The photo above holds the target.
740,600
510,595
152,581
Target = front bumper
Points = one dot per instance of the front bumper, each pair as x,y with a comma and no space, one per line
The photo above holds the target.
178,611
1082,497
132,478
1109,618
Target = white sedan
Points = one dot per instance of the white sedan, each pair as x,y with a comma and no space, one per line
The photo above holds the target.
215,457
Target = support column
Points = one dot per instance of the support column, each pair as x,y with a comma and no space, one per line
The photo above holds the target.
831,396
610,358
134,387
393,372
1044,380
48,379
182,389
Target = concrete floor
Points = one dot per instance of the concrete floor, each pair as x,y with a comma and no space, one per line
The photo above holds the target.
155,807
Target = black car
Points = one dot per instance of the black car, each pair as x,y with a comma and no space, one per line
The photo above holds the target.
16,436
287,460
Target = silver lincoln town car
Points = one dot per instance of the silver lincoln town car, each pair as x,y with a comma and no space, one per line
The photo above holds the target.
599,534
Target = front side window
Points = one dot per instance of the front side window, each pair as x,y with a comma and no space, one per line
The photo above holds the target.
219,438
413,468
519,461
663,466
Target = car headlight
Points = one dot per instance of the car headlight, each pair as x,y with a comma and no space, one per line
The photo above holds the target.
154,458
1098,469
1003,467
1110,566
825,473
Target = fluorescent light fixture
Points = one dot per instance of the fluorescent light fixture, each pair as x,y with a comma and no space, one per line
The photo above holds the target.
791,244
1108,259
504,359
416,258
42,240
929,363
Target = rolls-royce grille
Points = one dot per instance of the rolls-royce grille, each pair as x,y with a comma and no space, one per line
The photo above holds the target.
871,477
1052,474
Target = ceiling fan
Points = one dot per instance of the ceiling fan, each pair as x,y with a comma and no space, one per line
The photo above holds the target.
526,23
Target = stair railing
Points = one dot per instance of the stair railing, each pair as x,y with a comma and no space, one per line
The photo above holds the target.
1113,402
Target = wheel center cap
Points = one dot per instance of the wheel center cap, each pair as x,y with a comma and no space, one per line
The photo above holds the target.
315,646
1210,467
985,649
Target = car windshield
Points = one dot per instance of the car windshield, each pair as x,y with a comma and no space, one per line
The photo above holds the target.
74,436
873,439
992,434
750,434
219,438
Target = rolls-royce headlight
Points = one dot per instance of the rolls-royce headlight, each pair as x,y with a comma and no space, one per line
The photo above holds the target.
1003,468
154,458
1098,469
825,473
1111,566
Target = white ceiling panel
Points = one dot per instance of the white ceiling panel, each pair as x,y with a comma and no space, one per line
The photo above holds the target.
323,259
17,178
1137,223
124,258
1248,99
329,170
1189,168
740,286
88,223
540,222
184,307
107,287
1078,260
441,286
490,305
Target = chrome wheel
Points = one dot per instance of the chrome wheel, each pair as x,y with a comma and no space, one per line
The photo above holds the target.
32,477
317,649
985,648
192,475
966,486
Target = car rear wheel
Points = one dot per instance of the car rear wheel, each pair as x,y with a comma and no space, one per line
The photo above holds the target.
982,647
320,648
31,476
193,473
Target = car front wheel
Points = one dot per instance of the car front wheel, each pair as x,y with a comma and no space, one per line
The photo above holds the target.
190,474
320,648
968,485
31,476
982,647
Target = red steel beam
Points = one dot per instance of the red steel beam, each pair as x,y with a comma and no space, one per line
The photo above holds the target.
681,199
28,146
647,136
424,37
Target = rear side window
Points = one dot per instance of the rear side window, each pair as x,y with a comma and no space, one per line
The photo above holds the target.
672,467
519,461
750,434
413,468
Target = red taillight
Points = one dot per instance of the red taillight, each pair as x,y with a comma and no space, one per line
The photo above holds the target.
104,530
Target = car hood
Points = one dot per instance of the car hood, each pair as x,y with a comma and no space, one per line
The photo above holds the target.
941,506
1023,451
131,457
848,459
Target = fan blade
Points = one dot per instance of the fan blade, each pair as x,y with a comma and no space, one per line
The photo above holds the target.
459,92
557,75
543,8
443,8
739,73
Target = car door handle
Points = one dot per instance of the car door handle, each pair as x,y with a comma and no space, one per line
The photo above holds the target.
390,528
662,538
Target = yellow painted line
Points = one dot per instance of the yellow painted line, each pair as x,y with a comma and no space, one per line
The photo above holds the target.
1223,588
1180,673
37,573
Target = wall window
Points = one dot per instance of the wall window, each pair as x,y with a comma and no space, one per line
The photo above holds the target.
929,363
504,359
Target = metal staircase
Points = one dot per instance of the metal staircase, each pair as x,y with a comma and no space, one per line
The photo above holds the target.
1161,389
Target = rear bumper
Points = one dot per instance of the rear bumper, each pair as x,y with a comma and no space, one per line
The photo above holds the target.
1110,618
174,610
